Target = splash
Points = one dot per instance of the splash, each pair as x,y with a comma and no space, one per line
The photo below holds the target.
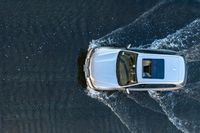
107,100
143,99
182,39
153,25
186,41
131,114
192,54
167,102
144,33
192,91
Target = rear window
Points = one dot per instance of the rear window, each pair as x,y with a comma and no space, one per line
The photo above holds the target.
153,68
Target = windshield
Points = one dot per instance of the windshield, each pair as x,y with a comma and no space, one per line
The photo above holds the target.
126,68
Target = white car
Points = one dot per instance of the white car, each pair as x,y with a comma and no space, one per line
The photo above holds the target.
108,68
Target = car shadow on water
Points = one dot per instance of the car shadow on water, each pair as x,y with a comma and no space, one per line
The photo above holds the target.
80,63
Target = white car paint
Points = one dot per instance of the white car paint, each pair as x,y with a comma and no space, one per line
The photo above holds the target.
100,69
173,69
103,68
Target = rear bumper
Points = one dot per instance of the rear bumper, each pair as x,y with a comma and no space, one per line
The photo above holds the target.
185,74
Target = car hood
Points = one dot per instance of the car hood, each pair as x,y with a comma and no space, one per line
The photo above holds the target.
103,68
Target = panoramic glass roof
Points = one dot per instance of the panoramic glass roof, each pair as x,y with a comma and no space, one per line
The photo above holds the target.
153,68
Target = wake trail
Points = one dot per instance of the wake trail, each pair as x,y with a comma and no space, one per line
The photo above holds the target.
132,115
182,39
186,41
145,32
151,25
192,91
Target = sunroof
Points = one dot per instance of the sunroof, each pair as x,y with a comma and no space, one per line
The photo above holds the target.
153,68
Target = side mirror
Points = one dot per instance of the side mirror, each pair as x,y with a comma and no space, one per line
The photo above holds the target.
127,91
128,46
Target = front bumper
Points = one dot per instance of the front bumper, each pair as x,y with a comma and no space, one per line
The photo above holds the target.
87,68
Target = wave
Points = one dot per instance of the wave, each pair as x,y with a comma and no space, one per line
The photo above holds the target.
185,41
152,24
192,54
180,110
143,99
192,91
131,114
145,32
182,39
167,102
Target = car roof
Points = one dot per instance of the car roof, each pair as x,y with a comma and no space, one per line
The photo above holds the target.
174,69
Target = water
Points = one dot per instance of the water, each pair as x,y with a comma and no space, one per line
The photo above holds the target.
42,50
181,107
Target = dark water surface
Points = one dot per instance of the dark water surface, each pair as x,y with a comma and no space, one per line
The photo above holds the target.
42,49
40,42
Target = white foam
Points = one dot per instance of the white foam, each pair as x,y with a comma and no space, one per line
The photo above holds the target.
103,97
167,104
180,40
192,54
193,91
112,37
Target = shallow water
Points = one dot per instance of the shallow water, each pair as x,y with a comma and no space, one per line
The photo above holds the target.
42,50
